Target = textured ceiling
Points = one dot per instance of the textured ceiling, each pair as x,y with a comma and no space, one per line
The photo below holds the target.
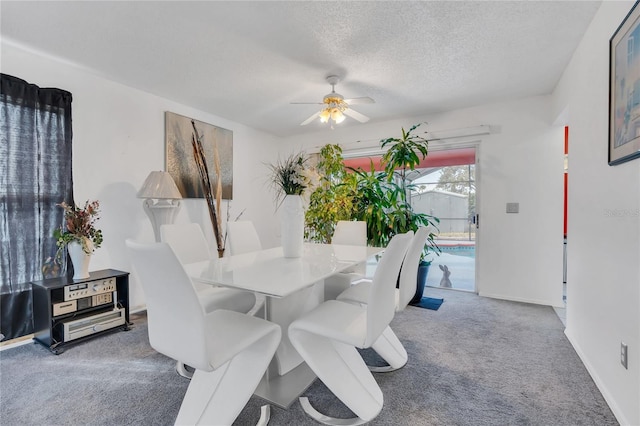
247,61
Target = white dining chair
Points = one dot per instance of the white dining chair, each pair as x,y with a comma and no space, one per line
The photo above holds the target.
388,346
230,351
327,338
190,245
243,237
350,233
187,241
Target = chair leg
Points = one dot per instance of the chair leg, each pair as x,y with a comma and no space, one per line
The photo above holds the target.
218,396
265,415
184,370
391,350
331,421
342,370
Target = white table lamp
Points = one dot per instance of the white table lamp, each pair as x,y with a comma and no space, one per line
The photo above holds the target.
161,195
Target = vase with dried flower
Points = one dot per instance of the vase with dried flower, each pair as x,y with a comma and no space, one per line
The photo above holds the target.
81,237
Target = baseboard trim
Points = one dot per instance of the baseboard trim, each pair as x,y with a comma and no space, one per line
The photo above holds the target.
617,412
520,299
18,341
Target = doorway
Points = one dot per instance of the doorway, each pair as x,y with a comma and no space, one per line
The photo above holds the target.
448,192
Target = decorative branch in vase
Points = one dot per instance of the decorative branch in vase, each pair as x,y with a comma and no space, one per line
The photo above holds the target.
213,203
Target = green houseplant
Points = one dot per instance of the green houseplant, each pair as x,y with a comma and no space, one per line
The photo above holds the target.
405,153
386,196
380,198
332,199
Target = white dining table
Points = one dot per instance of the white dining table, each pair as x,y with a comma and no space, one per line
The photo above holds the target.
292,286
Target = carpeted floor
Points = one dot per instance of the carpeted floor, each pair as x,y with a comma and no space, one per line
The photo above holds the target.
475,361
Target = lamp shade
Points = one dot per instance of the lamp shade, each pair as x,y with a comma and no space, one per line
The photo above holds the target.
159,185
324,115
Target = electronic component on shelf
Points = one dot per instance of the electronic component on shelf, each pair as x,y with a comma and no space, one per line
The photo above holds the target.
76,328
83,303
64,307
68,311
89,288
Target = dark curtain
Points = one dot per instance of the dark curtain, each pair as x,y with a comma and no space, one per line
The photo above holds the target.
35,175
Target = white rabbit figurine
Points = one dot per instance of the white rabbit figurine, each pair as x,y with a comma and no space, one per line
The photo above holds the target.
445,281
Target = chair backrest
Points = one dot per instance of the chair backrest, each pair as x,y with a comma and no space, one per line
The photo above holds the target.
382,301
243,237
187,241
174,316
351,233
409,271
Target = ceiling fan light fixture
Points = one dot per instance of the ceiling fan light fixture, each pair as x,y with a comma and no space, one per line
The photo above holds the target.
335,107
325,115
337,115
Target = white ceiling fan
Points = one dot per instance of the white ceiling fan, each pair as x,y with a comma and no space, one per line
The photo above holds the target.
336,107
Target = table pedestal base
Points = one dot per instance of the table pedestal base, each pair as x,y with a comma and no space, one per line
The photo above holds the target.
284,390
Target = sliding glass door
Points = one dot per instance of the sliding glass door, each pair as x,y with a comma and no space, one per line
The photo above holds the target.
445,187
449,193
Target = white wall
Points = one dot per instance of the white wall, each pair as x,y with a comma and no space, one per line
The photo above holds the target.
519,256
603,287
118,138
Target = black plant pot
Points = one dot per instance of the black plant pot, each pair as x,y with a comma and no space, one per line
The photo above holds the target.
423,270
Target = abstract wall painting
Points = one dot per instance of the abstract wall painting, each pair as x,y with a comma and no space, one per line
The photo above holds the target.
180,156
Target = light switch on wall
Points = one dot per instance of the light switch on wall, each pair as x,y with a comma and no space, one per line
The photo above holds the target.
513,207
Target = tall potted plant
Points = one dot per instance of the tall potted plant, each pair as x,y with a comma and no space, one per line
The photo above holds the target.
373,203
404,154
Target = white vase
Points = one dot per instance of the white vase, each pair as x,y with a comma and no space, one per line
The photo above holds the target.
80,260
292,225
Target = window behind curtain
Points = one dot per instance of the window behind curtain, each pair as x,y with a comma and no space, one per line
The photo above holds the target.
35,175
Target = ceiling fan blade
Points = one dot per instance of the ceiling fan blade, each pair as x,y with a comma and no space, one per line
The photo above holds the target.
310,119
306,103
362,100
355,115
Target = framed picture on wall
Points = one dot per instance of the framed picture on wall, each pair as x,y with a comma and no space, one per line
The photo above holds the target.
624,90
181,165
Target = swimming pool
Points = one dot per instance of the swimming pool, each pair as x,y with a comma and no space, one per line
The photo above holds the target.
459,250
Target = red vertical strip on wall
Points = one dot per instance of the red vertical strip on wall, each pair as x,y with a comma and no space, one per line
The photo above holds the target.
566,175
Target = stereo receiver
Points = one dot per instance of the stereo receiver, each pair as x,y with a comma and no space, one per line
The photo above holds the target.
89,288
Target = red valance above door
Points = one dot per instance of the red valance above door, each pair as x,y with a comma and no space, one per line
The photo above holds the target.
450,157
